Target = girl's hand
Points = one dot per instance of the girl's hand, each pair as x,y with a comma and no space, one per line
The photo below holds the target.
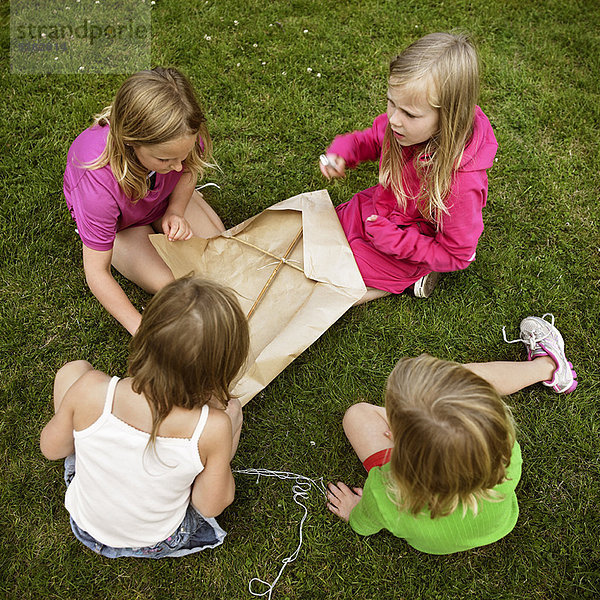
335,166
341,499
176,227
380,226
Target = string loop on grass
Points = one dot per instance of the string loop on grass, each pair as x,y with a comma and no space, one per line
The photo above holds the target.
300,490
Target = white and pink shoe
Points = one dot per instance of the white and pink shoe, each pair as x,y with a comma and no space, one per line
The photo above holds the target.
423,288
543,339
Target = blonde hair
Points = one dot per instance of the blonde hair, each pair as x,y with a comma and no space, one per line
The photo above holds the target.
192,342
445,67
453,437
151,107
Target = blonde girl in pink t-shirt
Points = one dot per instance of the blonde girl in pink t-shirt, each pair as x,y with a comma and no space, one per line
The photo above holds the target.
133,173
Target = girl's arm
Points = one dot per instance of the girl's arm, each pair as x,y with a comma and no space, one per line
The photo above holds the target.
366,517
103,285
360,146
214,488
173,223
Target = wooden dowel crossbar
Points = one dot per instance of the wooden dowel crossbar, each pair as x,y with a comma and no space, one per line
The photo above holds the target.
282,260
246,243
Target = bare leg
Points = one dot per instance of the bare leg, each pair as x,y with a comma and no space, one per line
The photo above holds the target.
366,425
510,377
136,259
372,294
66,376
367,429
203,219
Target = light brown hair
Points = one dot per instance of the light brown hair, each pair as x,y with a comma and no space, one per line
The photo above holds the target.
445,68
453,436
192,342
151,107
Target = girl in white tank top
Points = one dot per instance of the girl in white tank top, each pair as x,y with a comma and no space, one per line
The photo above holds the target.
148,457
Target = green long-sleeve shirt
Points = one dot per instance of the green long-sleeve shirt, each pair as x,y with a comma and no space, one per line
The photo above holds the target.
443,535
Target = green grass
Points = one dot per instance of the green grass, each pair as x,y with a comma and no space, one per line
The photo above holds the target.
539,252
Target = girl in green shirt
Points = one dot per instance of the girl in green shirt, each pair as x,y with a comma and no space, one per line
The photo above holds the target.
442,457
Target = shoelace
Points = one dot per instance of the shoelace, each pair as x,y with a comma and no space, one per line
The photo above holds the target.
531,341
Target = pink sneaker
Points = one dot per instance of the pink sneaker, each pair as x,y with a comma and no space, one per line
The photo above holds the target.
543,339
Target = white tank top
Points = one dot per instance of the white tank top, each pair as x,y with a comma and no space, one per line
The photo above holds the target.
123,494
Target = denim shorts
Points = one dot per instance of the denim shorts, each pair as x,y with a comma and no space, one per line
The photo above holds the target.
194,534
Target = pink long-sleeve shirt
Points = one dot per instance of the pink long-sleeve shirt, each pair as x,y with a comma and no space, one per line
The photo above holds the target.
401,245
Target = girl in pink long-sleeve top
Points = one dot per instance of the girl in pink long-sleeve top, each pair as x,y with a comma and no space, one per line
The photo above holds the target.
434,145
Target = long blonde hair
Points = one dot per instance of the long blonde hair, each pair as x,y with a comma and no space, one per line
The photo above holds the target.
453,437
445,67
151,107
192,342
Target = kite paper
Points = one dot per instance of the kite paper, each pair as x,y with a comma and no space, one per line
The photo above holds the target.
292,270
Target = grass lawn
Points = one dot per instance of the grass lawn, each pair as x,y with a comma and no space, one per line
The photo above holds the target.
256,67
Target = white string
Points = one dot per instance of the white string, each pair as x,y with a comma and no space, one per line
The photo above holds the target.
198,188
300,489
285,261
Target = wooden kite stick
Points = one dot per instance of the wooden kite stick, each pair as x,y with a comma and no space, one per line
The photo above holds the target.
270,280
267,253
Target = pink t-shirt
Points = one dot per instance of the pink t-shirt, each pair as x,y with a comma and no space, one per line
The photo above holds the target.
97,203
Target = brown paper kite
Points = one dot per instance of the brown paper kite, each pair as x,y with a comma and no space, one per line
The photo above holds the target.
294,274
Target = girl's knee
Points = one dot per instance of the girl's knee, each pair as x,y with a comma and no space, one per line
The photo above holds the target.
357,414
201,216
66,376
70,372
